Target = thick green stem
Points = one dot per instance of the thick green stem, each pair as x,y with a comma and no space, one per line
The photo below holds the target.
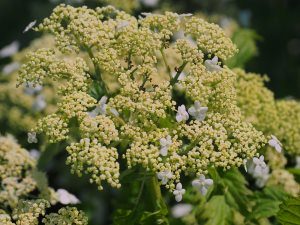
179,71
154,193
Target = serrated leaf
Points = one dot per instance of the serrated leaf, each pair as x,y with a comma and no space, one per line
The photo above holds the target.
217,211
267,202
289,213
236,191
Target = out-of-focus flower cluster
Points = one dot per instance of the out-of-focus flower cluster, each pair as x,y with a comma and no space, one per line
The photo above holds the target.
152,124
277,117
22,107
273,117
20,184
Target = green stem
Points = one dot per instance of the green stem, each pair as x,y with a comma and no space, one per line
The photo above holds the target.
154,193
179,71
97,69
165,61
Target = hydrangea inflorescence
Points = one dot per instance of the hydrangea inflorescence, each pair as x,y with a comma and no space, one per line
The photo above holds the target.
134,119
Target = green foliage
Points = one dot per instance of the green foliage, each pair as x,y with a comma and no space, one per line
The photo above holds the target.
289,213
217,211
267,202
42,184
245,39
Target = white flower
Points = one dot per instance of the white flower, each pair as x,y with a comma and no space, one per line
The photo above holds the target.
212,65
197,111
275,143
34,153
122,24
245,164
65,198
165,143
181,210
185,15
182,114
259,170
114,111
164,176
297,162
100,108
11,67
10,49
31,89
202,184
29,26
179,192
262,178
39,104
32,137
149,3
259,165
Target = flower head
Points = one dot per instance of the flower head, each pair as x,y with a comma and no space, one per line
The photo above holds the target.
179,192
165,143
202,184
212,65
29,26
259,165
181,210
100,108
39,104
11,67
65,198
10,49
182,114
164,176
32,137
197,111
275,143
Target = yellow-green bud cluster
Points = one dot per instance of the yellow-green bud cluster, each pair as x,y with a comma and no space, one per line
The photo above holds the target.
90,156
140,117
15,172
65,216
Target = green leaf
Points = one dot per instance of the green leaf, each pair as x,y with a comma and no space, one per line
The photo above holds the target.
267,202
245,40
289,213
95,90
217,211
236,191
42,183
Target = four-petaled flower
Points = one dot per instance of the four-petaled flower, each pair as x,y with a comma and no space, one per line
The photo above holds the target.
32,137
202,184
65,198
260,165
182,114
164,176
179,192
100,108
197,111
275,143
212,65
165,143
